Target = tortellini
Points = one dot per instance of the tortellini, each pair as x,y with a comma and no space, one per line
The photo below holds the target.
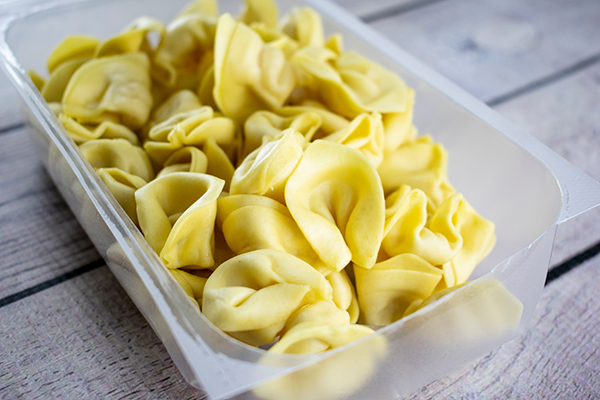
192,284
365,134
186,159
177,213
335,196
266,125
249,75
123,186
81,133
134,38
389,287
349,84
305,26
251,222
252,295
118,153
191,128
278,177
72,48
421,164
113,88
266,170
185,50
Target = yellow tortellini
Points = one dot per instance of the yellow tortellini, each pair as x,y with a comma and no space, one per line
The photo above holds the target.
54,88
192,284
387,289
319,327
305,26
398,126
349,84
118,153
456,217
344,295
261,11
177,213
191,128
113,88
81,133
252,295
219,164
266,125
186,159
421,164
134,38
266,170
411,230
251,222
249,75
335,196
72,48
279,178
365,134
185,51
123,186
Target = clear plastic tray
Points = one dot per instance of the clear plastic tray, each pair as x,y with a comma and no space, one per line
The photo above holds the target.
508,176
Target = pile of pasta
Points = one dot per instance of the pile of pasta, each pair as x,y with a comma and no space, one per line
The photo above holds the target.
278,177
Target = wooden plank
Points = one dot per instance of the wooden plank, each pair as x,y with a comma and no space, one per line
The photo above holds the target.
557,358
10,103
493,47
564,115
39,236
84,339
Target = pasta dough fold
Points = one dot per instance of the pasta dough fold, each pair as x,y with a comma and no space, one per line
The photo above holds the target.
186,159
437,242
192,284
186,50
249,75
335,196
252,295
118,153
386,290
456,217
420,164
123,186
191,128
349,84
305,26
72,48
266,170
177,213
113,88
106,130
266,125
251,222
365,134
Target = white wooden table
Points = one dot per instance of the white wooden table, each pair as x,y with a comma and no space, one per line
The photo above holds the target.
68,330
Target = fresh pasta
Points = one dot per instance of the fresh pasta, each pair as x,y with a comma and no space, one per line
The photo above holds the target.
278,176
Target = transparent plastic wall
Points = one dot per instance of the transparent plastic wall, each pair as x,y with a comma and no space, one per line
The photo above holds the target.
508,176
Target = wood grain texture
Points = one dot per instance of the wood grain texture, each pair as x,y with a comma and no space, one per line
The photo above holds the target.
557,358
566,117
10,103
493,47
96,345
39,236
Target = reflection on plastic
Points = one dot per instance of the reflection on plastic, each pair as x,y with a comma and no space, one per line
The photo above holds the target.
341,375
